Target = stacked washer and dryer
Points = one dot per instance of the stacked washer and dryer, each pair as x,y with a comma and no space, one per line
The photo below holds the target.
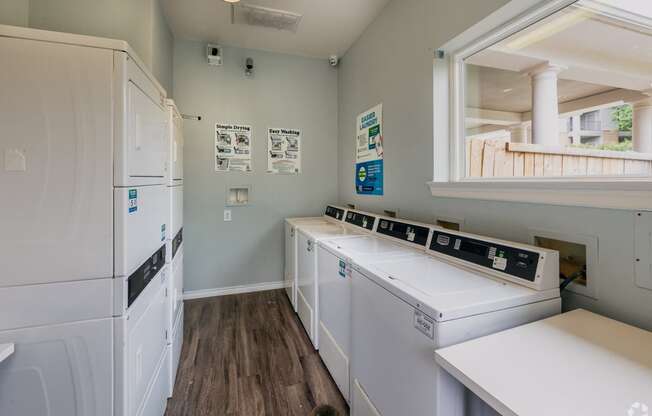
174,243
84,219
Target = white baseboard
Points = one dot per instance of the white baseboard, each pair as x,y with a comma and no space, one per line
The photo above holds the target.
232,290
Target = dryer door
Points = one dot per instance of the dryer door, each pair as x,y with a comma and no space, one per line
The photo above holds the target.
59,370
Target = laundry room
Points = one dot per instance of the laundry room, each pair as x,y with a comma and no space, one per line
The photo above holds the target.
291,207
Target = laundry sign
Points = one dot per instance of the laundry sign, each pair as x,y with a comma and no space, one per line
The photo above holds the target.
232,147
369,152
283,151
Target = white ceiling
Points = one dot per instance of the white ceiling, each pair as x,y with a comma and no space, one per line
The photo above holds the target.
327,27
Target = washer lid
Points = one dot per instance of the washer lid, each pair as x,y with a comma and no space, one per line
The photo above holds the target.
307,220
445,291
326,231
375,248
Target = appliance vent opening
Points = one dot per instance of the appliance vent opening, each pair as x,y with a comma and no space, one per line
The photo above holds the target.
262,16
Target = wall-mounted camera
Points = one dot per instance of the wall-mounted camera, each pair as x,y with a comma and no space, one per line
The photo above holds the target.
214,55
249,67
333,60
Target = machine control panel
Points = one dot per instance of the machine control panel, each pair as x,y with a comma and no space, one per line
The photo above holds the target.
361,220
405,231
513,261
178,239
334,212
139,279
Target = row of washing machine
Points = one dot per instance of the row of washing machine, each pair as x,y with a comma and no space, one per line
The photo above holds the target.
378,295
90,294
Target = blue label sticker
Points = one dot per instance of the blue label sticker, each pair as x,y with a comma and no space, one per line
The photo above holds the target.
133,200
342,271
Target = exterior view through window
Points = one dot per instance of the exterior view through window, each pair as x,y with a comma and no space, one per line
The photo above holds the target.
570,96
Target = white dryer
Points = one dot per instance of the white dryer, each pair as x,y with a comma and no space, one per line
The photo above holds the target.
403,309
334,264
308,236
332,214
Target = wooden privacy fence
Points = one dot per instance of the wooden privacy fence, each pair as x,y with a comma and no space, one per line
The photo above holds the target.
498,158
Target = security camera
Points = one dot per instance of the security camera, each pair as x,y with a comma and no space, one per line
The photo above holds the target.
214,55
249,67
333,60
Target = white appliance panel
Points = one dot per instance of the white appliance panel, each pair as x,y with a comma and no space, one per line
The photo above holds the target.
175,160
140,226
59,370
307,284
175,288
140,340
388,351
290,264
157,395
140,125
175,350
55,162
55,303
176,211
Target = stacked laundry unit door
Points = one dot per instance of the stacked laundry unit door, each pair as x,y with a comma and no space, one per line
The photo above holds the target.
174,241
83,264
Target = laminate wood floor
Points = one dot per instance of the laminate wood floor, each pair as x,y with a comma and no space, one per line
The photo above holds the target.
248,355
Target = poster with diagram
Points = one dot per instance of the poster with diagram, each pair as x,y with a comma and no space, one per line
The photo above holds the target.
283,151
369,152
232,148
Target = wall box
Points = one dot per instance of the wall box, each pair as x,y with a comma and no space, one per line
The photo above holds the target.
643,249
450,223
575,252
238,195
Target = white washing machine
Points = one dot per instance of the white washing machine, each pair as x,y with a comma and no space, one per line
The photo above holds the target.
84,150
407,239
466,287
308,236
332,214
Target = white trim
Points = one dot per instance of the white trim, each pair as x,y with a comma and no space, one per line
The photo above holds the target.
232,290
625,195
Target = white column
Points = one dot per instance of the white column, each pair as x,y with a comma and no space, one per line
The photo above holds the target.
545,104
577,128
642,126
518,133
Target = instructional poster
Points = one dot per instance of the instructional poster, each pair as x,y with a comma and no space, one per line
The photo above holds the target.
283,151
232,148
369,152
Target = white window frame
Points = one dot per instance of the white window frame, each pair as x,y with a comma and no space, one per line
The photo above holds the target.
449,177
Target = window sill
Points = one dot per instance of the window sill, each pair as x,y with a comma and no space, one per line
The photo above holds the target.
603,193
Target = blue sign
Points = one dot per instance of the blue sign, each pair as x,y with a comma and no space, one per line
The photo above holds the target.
369,177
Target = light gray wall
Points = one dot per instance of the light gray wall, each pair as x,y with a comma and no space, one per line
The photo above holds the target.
141,23
14,12
286,91
392,63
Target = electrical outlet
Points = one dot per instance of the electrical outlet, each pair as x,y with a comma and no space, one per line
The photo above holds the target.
227,215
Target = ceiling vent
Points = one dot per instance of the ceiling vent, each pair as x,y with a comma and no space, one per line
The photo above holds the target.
262,16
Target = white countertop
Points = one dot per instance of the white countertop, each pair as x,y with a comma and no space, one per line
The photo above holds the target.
577,363
5,351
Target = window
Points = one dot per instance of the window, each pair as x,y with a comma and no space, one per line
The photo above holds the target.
562,93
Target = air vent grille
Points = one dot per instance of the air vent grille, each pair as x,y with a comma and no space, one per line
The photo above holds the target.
245,14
